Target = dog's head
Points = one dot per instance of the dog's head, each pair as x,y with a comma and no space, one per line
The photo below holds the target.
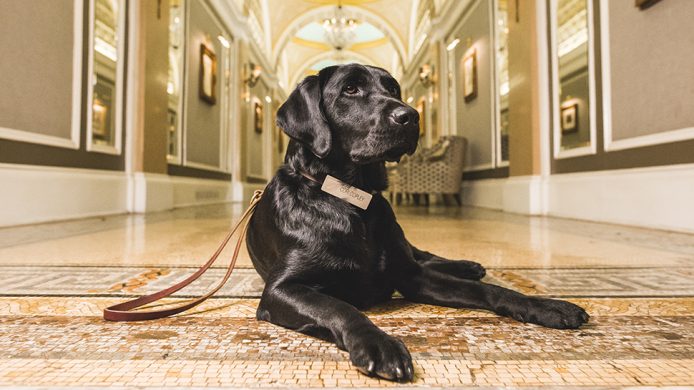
353,109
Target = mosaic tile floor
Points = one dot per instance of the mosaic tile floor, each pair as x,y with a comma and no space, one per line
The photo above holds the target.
638,286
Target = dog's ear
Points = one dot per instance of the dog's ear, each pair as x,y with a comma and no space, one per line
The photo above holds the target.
301,116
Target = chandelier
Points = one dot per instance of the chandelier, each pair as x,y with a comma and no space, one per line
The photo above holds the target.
339,29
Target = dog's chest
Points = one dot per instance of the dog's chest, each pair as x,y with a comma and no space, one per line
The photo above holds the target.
364,281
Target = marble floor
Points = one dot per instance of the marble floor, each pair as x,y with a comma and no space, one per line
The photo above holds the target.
637,285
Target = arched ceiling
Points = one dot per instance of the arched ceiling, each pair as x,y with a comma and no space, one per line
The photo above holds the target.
299,45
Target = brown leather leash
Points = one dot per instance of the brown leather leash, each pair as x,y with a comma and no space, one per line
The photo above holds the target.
124,311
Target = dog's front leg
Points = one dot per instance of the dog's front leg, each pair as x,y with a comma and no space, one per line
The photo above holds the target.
301,308
432,287
465,269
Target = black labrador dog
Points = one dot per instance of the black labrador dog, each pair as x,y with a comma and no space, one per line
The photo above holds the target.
324,259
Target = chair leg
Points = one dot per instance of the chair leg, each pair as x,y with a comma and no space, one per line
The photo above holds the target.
458,199
426,199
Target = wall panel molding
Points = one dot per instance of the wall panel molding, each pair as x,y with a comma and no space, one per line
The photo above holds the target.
76,109
611,144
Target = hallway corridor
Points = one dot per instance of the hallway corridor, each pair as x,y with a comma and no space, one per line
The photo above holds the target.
637,285
134,132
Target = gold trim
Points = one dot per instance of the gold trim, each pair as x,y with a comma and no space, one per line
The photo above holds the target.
312,44
344,2
370,44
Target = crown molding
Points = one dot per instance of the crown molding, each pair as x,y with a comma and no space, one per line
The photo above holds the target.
448,18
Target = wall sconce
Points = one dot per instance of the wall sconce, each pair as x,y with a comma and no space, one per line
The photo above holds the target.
253,73
426,75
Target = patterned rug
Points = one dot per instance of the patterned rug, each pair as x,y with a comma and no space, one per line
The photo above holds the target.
246,283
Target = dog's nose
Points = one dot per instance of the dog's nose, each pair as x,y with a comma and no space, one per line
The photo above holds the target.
401,116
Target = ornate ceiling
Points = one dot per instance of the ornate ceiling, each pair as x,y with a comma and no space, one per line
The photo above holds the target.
294,36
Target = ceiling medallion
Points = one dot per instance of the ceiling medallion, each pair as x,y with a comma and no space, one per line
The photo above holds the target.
339,29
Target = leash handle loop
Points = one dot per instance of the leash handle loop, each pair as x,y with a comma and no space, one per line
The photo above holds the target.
123,312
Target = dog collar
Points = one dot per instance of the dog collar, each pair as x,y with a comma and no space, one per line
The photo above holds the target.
342,190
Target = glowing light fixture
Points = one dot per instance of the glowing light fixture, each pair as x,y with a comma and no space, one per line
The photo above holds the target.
504,89
453,44
339,29
253,73
426,75
223,41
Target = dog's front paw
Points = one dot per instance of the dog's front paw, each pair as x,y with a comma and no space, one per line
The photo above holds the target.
375,353
464,269
552,313
472,269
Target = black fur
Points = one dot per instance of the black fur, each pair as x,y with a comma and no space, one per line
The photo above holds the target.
323,259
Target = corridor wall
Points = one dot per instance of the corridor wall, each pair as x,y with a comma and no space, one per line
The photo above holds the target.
475,118
203,121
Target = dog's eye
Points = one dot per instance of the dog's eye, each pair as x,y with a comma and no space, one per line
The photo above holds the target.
393,91
351,89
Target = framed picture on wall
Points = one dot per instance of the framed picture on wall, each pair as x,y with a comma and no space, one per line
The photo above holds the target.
470,76
208,75
643,4
258,117
422,110
102,107
172,122
569,118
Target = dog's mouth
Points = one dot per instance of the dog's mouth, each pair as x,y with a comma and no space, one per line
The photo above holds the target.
395,154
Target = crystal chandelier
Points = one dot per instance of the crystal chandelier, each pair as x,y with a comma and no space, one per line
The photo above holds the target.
339,29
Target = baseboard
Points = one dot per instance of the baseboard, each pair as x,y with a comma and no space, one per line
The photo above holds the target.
487,193
34,194
656,197
157,192
194,192
249,188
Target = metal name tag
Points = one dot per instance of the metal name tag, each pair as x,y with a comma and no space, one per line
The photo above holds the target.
346,192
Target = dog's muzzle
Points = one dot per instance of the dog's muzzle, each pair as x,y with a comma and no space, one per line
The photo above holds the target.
405,120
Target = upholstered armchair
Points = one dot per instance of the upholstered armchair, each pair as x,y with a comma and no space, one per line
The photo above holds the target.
434,170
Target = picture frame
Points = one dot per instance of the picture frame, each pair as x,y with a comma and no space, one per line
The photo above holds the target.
569,119
172,137
470,76
208,75
258,117
103,122
644,4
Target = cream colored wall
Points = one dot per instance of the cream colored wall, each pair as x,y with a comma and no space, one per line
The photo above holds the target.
474,119
203,121
651,67
524,98
151,138
256,156
256,148
412,87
